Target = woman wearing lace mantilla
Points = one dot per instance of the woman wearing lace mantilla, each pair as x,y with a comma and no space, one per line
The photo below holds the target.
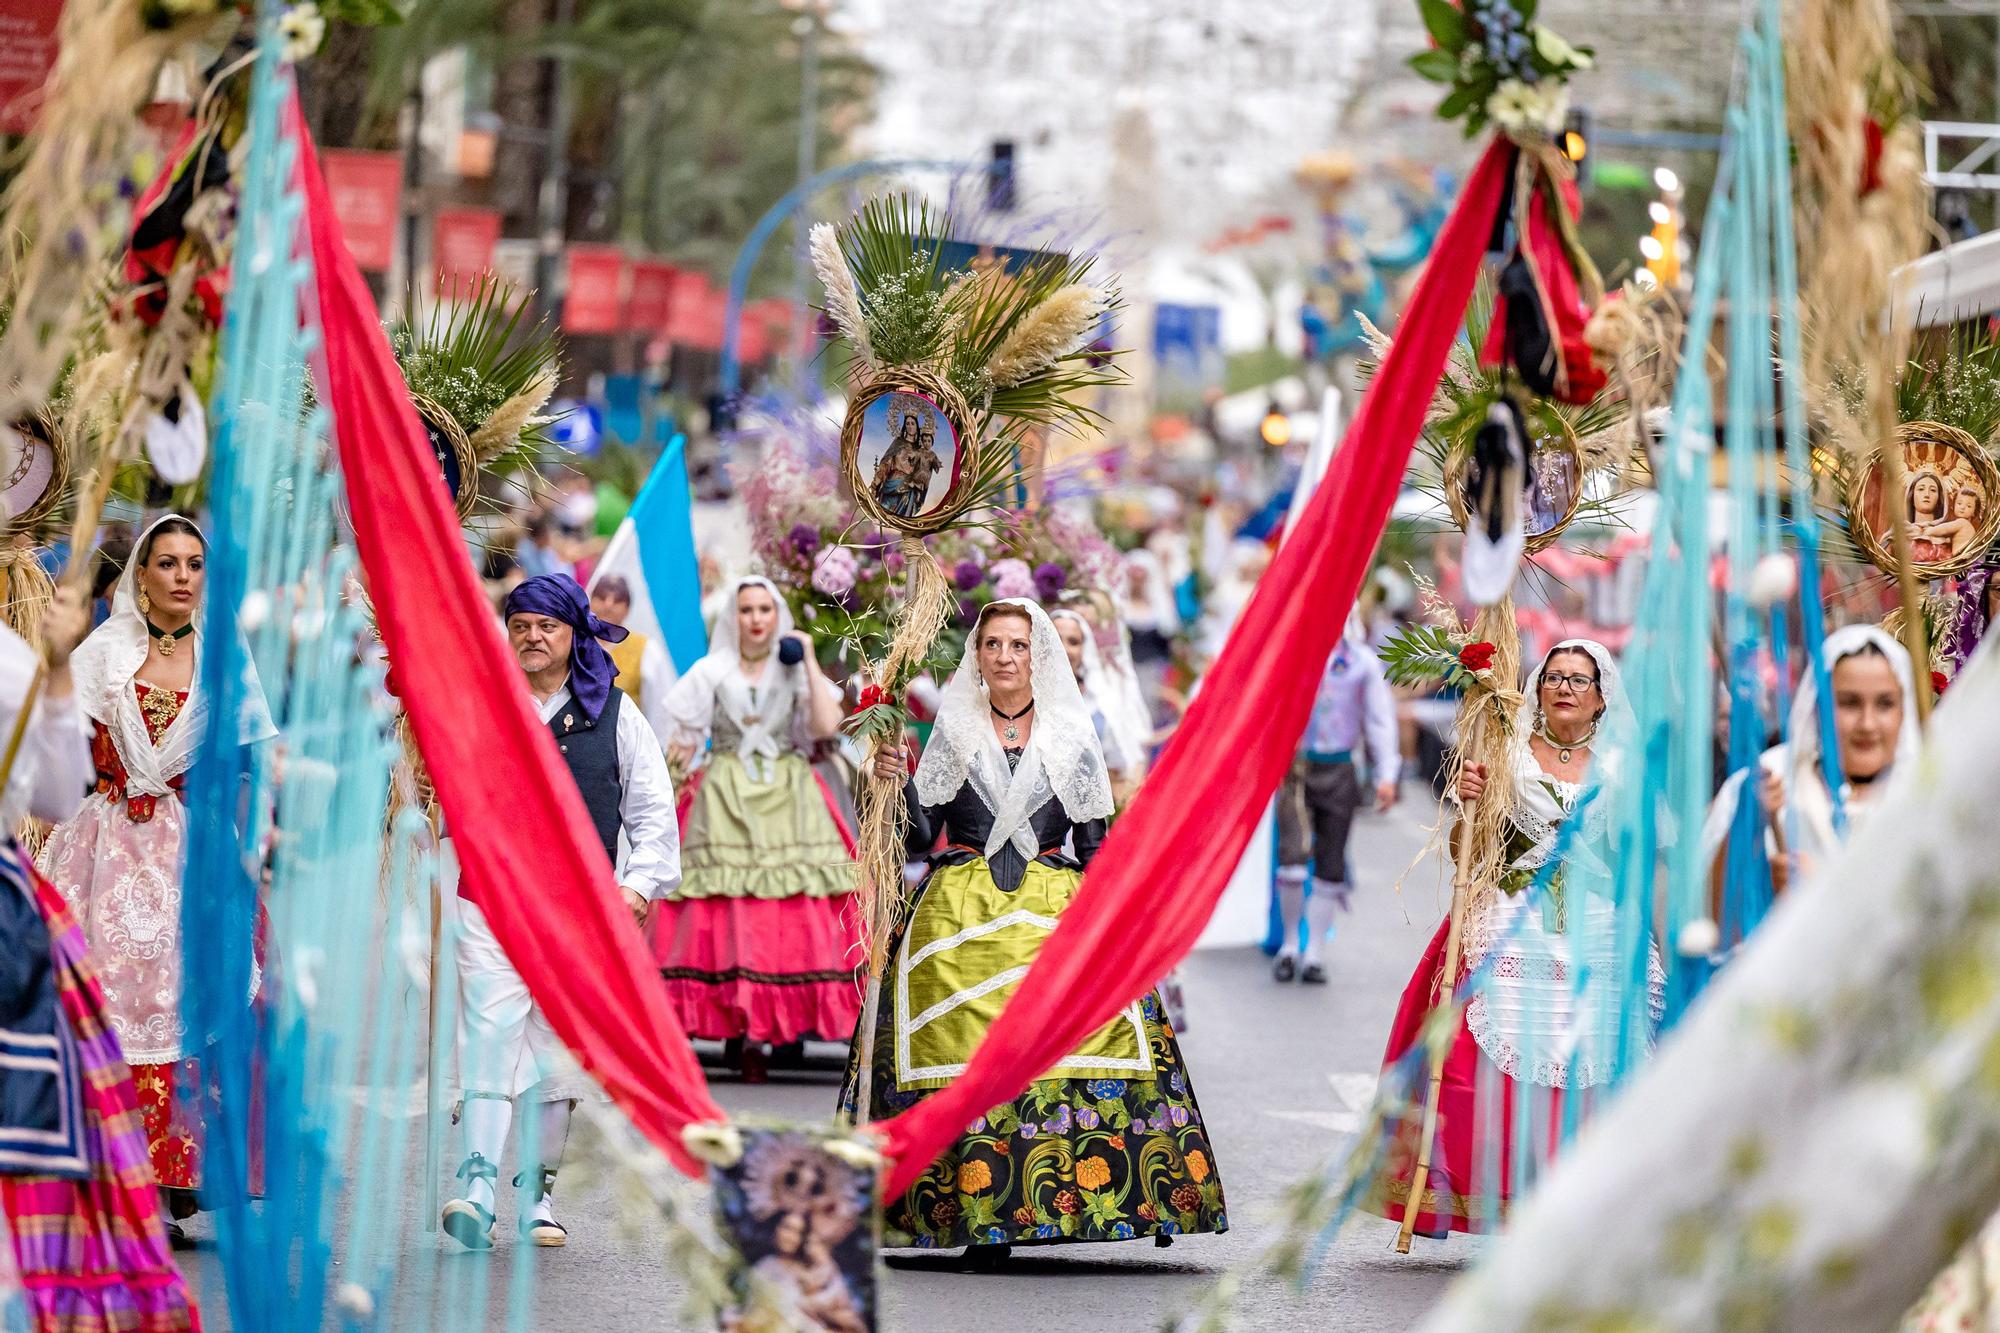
118,862
759,943
1525,1023
1110,1145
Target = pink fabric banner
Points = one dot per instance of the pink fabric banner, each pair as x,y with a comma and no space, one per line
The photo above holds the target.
1157,879
523,839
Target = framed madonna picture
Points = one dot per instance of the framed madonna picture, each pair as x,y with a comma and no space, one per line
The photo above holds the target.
906,449
1949,496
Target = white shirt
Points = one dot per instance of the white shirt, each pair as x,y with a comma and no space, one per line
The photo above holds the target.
650,832
53,771
1353,699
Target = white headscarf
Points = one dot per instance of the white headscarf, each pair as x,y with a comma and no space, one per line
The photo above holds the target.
1062,758
769,726
1153,609
107,662
1541,802
1101,696
1807,821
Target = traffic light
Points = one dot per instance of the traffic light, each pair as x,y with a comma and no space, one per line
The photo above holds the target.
1000,177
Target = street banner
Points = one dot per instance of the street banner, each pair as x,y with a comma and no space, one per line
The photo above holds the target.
462,244
594,298
367,194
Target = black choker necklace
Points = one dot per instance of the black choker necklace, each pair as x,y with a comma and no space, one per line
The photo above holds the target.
168,638
1012,732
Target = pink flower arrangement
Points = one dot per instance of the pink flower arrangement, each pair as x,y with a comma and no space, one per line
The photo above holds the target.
1012,578
834,571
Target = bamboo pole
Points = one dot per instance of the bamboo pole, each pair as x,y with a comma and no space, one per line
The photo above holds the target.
1461,892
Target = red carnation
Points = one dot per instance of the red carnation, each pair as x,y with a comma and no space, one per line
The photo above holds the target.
1477,656
1938,681
1066,1202
874,695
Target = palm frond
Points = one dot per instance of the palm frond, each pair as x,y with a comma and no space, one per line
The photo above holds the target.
477,355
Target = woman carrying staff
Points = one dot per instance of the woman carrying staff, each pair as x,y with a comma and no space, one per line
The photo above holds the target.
759,943
1526,1023
1875,731
1109,1144
119,861
88,1242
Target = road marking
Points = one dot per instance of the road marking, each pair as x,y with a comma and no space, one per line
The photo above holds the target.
1352,1094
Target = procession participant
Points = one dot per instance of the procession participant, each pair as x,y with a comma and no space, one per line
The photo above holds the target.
1876,732
1318,799
81,1206
1122,750
1012,772
644,672
1528,1014
118,861
759,943
1147,606
508,1053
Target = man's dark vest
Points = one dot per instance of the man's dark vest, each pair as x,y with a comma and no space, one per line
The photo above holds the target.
591,750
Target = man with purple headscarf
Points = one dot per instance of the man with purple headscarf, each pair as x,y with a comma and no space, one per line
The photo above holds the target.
508,1053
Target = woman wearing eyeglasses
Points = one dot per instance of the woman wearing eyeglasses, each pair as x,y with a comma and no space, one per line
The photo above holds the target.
1524,1023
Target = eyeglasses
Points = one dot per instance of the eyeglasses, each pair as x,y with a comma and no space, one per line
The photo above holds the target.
1575,684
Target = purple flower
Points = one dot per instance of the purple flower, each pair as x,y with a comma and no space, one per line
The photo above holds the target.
1027,1129
1178,1115
848,601
968,575
1086,1119
1159,1120
968,610
1050,579
804,540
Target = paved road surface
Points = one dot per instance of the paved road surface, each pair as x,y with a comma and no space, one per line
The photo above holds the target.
1282,1073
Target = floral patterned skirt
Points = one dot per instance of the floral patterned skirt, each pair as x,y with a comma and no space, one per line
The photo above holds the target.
1070,1159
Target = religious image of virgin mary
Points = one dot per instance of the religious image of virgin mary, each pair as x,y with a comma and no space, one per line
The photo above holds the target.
903,476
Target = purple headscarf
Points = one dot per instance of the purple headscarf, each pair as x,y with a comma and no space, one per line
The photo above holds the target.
561,597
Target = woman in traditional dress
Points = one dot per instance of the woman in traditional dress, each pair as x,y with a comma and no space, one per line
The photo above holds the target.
88,1243
118,862
1875,732
1526,1023
1109,1144
759,943
1122,753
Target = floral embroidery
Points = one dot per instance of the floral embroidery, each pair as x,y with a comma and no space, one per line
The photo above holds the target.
974,1177
1092,1173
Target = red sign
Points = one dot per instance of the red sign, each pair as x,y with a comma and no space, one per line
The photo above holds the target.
695,318
770,322
594,300
462,241
27,54
367,194
652,296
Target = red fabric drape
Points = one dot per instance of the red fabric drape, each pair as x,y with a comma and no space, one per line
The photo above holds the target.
1154,884
517,823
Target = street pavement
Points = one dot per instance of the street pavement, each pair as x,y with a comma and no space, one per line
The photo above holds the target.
1283,1074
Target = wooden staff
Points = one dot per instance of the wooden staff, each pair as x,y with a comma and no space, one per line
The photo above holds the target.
1461,892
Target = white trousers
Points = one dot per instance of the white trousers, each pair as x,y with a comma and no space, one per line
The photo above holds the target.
505,1044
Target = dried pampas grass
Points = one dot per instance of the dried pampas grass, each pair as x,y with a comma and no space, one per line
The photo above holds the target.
843,299
502,430
1047,334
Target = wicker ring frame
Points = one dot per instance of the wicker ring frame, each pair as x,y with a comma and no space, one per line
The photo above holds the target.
1565,439
446,425
957,414
1877,548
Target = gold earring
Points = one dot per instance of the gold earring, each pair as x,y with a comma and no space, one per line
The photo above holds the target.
145,603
